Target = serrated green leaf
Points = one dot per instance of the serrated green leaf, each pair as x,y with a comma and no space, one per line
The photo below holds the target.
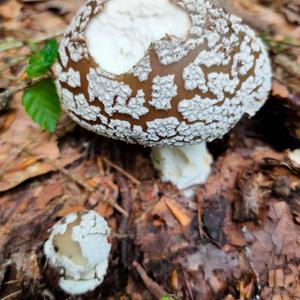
41,61
41,103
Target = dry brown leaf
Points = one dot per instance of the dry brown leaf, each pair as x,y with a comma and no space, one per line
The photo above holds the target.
278,236
10,9
280,90
178,212
70,209
216,266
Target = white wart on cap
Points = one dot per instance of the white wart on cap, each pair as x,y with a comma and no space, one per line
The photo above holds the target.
78,250
122,76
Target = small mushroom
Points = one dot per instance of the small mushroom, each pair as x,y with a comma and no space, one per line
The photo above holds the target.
77,249
166,74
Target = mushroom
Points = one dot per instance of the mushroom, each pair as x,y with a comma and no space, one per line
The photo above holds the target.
78,250
168,74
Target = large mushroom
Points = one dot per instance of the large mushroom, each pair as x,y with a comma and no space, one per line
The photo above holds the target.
168,74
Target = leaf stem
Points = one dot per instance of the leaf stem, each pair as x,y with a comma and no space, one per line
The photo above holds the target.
24,43
5,96
14,62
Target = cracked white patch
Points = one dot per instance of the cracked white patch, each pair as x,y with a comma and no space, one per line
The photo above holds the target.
68,100
114,96
85,110
197,109
135,106
143,69
71,77
163,127
80,106
172,50
62,52
242,61
194,78
220,83
163,91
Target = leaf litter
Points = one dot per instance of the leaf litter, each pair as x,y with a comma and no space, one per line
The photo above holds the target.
237,238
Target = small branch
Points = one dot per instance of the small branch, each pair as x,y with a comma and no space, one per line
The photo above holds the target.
10,282
49,37
288,65
20,149
69,174
119,236
25,84
122,171
5,97
14,62
289,44
87,187
152,286
12,295
269,40
22,43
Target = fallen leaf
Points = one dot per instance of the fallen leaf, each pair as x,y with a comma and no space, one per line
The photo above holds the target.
280,90
178,212
10,9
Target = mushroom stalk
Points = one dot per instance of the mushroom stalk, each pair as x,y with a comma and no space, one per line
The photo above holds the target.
183,166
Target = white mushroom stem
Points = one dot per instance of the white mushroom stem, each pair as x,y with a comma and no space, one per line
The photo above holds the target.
185,166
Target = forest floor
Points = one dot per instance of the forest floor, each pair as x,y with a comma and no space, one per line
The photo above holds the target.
237,238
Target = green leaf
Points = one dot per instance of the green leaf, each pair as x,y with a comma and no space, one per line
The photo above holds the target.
41,61
167,297
41,103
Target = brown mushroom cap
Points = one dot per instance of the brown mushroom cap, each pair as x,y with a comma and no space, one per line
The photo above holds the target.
182,91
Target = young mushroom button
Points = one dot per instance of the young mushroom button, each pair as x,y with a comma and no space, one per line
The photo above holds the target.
168,74
77,249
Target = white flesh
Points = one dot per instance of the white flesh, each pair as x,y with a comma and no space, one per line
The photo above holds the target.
295,156
184,167
121,34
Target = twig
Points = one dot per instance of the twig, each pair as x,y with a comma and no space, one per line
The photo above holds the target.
24,85
20,149
289,44
48,37
187,285
10,282
120,236
24,43
69,175
122,171
5,97
152,286
72,177
84,185
126,197
14,62
12,295
288,65
269,40
199,201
